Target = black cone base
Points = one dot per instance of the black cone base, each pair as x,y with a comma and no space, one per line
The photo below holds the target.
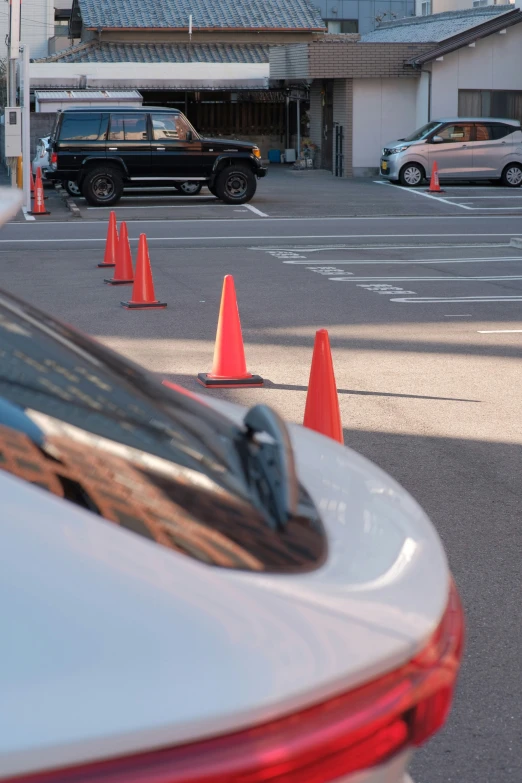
144,305
112,281
228,383
105,266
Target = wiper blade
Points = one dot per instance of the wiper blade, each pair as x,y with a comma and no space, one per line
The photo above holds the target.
271,465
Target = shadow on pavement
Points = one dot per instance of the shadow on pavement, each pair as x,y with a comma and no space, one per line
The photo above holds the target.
482,533
290,387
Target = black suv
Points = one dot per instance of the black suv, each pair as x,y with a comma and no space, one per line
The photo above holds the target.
107,149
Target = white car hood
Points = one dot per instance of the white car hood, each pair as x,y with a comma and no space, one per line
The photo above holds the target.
113,644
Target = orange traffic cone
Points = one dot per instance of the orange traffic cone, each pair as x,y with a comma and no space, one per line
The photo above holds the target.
229,367
143,296
123,274
39,206
31,179
322,412
111,244
434,181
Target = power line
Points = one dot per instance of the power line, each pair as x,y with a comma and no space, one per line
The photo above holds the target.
32,22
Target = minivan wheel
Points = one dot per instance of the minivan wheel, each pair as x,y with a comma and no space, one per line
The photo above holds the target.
72,188
102,187
512,176
235,185
410,175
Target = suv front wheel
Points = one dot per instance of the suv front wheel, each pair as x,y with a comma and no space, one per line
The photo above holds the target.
102,187
235,185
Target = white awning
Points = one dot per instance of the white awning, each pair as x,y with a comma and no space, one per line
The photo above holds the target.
172,76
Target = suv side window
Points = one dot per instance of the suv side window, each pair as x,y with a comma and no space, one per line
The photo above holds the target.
128,127
169,127
82,127
455,133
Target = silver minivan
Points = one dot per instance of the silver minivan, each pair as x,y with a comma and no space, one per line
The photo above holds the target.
464,148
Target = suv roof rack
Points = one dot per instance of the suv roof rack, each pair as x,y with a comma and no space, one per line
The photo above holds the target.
133,109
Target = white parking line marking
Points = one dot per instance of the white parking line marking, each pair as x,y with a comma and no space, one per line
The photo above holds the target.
462,206
458,315
320,218
427,279
26,215
225,238
499,331
487,209
451,187
435,300
437,198
256,211
388,262
321,248
488,198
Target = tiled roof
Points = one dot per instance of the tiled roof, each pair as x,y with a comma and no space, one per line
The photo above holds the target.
434,28
237,14
105,52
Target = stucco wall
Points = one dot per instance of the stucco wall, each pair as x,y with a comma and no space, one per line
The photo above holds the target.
423,100
383,110
492,64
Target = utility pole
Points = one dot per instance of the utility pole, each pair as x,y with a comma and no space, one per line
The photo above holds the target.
13,54
25,102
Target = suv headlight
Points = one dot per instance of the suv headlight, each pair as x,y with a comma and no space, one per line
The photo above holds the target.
257,152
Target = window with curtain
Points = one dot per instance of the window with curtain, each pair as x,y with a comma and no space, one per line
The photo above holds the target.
491,103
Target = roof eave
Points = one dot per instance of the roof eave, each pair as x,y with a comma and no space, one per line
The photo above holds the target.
208,29
460,40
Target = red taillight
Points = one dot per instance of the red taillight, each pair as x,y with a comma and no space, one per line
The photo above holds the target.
54,159
351,732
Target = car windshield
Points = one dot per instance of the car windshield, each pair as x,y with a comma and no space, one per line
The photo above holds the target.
421,133
86,425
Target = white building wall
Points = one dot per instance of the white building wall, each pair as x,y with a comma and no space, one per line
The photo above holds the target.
383,110
423,100
36,28
440,6
494,63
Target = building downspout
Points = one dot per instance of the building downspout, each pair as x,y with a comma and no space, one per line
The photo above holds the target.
287,120
429,92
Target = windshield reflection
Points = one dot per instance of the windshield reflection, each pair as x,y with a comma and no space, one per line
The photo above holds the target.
83,424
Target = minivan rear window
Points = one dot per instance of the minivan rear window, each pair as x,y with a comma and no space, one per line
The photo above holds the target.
498,131
82,127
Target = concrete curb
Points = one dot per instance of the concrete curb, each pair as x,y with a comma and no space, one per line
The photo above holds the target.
71,205
516,242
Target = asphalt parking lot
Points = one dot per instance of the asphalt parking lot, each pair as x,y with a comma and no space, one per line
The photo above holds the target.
423,300
289,193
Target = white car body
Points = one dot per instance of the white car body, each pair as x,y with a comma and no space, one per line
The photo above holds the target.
115,645
97,666
41,158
